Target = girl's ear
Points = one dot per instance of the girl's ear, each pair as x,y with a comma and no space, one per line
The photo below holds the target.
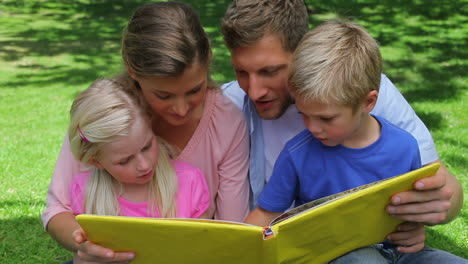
370,101
96,163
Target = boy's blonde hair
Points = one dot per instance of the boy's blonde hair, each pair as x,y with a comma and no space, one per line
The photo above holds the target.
336,63
247,21
102,113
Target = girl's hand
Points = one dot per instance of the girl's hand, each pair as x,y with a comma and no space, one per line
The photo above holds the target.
89,253
409,236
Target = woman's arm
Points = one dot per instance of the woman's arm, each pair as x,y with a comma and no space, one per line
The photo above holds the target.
232,201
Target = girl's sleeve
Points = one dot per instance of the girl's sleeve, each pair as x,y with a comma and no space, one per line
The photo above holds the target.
392,106
200,194
58,196
232,201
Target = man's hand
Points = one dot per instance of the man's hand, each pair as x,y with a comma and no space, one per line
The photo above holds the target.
434,200
409,237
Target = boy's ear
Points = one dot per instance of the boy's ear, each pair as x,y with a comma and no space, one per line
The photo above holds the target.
370,101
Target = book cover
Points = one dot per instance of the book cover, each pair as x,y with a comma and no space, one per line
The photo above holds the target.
316,232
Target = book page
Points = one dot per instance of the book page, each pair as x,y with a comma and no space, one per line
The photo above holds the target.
321,201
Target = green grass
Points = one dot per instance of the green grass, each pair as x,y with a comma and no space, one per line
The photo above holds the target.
50,50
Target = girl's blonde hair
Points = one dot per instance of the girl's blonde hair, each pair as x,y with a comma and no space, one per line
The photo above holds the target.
99,115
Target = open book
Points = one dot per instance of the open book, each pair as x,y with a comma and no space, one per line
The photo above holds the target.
316,232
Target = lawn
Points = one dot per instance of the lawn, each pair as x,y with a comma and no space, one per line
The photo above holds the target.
50,50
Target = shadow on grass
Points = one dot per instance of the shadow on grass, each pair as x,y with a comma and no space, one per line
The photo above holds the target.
437,239
429,34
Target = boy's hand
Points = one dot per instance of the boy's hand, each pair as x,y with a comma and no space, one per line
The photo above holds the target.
434,200
409,237
89,253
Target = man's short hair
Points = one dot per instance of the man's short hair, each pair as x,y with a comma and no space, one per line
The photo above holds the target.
247,21
337,63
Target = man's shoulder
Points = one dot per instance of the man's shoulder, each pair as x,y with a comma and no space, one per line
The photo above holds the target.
233,91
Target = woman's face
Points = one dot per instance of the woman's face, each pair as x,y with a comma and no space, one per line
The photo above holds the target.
177,100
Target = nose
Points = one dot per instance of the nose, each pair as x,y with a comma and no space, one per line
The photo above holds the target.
181,107
314,127
256,90
144,163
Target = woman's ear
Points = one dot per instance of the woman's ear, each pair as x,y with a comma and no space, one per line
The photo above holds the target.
370,101
132,74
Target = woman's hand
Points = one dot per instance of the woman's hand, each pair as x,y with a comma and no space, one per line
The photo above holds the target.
88,253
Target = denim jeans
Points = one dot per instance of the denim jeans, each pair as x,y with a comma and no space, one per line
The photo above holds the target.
378,254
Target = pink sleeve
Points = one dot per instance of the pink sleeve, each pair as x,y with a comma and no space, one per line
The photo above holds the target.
58,196
200,194
77,189
232,202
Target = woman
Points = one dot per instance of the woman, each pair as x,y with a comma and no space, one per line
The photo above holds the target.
167,54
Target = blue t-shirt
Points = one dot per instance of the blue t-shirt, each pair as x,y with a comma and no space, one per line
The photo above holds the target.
307,170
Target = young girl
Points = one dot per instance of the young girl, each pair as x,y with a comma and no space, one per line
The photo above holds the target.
130,172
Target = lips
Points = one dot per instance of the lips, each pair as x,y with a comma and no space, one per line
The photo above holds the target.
263,105
146,175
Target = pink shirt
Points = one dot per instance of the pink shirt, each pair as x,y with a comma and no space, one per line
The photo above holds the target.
192,199
219,147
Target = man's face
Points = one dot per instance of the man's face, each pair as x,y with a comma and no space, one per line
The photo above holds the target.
262,72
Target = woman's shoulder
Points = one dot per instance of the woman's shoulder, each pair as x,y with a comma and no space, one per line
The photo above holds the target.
223,110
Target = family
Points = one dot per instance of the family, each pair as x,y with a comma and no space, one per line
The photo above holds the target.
310,114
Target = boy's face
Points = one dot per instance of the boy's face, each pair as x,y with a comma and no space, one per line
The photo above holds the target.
262,72
332,124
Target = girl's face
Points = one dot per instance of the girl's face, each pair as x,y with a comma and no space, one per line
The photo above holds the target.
131,159
177,100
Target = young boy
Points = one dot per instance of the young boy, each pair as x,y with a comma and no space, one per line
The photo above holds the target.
334,79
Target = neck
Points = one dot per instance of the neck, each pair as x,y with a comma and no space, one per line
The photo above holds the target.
367,132
137,193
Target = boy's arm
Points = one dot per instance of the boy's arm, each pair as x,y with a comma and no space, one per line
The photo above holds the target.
260,217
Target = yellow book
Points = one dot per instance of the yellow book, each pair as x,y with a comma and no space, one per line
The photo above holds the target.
316,232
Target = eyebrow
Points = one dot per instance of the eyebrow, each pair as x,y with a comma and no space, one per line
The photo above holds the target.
194,88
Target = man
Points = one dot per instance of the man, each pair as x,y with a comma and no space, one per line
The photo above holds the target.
262,35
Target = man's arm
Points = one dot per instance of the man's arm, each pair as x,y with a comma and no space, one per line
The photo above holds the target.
434,200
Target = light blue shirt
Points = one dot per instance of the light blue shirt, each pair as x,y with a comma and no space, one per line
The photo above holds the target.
391,105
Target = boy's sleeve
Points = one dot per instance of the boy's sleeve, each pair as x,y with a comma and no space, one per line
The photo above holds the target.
392,106
281,189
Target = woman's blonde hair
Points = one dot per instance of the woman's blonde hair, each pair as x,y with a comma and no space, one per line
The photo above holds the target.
99,115
338,62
